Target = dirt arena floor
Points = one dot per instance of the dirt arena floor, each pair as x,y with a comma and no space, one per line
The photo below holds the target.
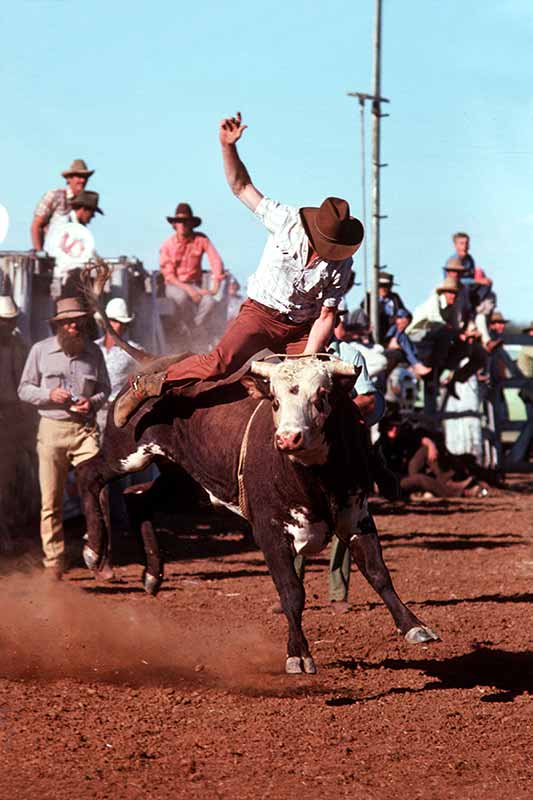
108,693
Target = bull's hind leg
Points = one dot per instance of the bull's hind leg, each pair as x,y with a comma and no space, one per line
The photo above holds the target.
366,550
280,562
141,502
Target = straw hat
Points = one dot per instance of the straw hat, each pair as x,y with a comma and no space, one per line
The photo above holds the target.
118,310
447,285
78,167
8,309
68,308
497,316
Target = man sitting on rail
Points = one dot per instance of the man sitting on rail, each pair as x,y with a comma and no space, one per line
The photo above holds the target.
293,295
180,261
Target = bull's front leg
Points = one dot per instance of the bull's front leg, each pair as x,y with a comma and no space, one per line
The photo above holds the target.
279,557
92,477
356,528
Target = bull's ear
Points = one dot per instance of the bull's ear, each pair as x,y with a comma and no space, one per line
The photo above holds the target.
346,382
256,386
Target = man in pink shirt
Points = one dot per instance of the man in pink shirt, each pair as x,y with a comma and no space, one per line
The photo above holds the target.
180,260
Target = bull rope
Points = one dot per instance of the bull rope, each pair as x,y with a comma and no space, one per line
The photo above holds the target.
243,502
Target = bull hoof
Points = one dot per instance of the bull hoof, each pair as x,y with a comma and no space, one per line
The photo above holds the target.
91,558
293,665
309,665
296,665
420,634
151,583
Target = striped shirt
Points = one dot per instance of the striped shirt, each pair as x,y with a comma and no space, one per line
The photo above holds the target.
282,280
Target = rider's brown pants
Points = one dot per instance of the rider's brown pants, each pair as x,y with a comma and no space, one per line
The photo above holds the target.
255,328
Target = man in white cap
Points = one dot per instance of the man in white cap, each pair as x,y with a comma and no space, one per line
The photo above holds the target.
120,364
65,379
57,203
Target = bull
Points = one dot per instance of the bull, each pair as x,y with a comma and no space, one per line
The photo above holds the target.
285,448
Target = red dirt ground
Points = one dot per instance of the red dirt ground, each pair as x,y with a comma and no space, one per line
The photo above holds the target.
108,693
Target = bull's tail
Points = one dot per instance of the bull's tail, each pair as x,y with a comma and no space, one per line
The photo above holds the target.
93,280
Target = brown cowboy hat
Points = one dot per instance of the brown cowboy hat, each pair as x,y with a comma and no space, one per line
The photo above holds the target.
334,234
497,316
184,214
78,167
386,279
526,330
68,308
87,200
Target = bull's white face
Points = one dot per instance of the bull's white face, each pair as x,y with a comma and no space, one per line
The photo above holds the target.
301,405
300,391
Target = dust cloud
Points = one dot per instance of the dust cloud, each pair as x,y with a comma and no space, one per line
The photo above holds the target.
51,631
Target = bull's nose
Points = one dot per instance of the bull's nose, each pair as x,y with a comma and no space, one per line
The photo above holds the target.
289,441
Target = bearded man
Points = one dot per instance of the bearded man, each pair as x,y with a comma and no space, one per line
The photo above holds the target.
65,378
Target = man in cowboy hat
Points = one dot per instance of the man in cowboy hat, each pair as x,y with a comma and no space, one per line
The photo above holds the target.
57,203
389,303
293,295
71,243
180,260
119,363
65,378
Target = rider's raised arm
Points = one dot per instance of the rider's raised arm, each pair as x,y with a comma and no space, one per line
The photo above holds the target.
237,176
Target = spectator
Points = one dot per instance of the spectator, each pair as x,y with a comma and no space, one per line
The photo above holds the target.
400,347
389,302
65,378
411,451
180,260
525,357
70,245
357,337
478,286
17,428
56,205
463,433
435,330
120,365
235,298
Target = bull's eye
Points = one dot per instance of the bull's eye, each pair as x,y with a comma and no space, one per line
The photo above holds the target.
275,404
320,403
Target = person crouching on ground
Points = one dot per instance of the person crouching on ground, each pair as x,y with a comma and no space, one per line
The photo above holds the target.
293,295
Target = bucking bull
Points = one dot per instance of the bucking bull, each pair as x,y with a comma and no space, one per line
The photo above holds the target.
285,448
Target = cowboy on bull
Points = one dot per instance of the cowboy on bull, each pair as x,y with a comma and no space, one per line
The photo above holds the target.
293,295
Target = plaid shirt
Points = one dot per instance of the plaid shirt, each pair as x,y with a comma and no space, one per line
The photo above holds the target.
54,205
282,280
183,259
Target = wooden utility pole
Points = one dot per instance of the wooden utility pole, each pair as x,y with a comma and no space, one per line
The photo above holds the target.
376,167
376,99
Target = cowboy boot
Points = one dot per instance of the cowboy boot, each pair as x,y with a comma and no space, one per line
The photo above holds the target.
142,388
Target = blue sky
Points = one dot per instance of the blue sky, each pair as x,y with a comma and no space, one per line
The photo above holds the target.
137,89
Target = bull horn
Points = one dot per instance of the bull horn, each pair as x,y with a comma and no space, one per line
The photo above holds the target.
261,368
342,368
